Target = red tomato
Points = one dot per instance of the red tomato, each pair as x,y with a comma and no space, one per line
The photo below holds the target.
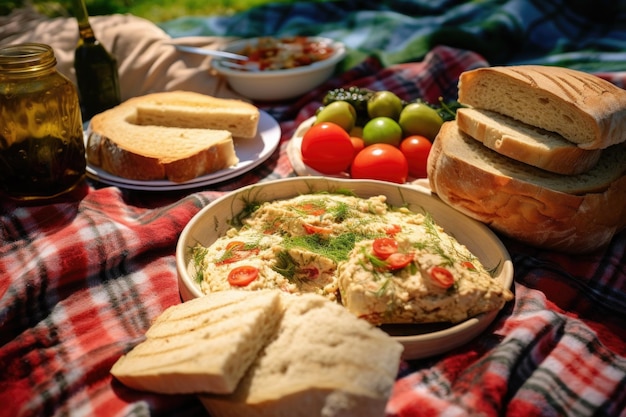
416,149
236,251
357,144
469,265
311,209
310,272
327,148
312,229
399,260
380,161
393,229
384,246
242,275
441,277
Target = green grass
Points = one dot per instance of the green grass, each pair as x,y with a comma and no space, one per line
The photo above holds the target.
154,10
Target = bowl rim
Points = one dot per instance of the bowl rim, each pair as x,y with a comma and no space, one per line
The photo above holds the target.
338,55
415,344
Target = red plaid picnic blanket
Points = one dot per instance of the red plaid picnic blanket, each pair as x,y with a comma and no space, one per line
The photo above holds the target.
81,281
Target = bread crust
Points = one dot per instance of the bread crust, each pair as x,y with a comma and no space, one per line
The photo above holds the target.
536,215
525,143
581,107
123,148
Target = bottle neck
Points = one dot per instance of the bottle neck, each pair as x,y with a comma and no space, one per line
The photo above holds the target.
28,59
82,17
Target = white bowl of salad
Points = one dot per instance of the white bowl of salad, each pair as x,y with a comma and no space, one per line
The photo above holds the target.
279,68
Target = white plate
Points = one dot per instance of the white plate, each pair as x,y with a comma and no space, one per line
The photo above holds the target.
419,340
251,153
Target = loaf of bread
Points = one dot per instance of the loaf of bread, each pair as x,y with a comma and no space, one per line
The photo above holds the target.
193,110
526,143
203,345
577,213
581,107
323,362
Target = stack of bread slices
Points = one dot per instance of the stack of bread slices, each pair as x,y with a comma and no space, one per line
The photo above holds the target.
539,154
174,135
266,353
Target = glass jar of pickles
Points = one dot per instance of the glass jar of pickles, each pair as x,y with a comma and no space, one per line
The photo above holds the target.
42,152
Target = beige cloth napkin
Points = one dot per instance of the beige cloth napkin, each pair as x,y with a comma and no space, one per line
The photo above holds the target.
146,61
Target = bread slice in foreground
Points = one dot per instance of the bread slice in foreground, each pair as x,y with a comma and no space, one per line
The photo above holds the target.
526,143
118,145
324,361
199,111
576,213
203,345
581,107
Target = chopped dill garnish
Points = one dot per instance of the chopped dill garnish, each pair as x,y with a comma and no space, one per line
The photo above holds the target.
335,248
249,208
285,265
198,253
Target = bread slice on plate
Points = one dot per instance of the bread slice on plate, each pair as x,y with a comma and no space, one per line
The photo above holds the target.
203,345
526,143
581,107
570,213
199,111
324,361
120,146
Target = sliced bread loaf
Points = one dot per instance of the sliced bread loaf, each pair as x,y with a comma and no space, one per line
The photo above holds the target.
581,107
324,361
203,345
193,110
526,143
120,146
576,213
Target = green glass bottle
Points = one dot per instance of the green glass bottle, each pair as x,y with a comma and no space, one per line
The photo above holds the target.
96,69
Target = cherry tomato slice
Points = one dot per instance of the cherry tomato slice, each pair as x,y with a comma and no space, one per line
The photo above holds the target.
393,229
243,275
235,245
468,265
311,229
398,260
441,277
310,272
312,209
383,247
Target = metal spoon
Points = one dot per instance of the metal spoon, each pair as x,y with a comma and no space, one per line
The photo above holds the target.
209,52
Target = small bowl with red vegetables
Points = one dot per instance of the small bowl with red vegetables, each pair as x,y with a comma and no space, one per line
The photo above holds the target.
363,134
279,68
243,265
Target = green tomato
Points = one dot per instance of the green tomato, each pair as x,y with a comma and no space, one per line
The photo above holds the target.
384,104
340,113
420,119
382,130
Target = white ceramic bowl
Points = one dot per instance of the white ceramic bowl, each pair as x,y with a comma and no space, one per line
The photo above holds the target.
419,340
278,84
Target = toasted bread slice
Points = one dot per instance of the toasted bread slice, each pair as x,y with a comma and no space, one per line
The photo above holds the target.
203,345
581,107
526,143
120,146
199,111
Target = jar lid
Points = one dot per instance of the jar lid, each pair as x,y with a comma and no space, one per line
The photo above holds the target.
26,57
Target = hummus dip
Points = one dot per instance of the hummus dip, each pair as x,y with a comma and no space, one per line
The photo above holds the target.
385,264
